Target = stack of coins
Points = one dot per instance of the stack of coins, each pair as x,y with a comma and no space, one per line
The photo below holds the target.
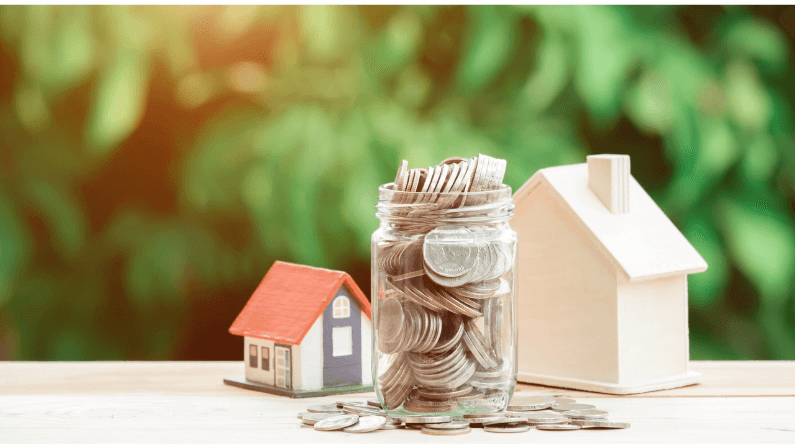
524,414
443,286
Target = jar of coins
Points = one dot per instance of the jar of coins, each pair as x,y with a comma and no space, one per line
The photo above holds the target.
443,290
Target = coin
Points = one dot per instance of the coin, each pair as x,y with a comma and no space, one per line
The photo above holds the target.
445,432
507,429
323,408
572,407
342,403
444,394
427,419
400,178
337,422
447,251
557,427
586,414
564,400
304,425
367,424
314,417
392,426
602,425
448,425
531,403
374,403
505,420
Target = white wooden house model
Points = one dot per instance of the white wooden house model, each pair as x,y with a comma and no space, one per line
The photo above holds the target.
306,332
601,282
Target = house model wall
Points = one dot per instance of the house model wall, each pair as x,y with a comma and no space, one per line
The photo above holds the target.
601,282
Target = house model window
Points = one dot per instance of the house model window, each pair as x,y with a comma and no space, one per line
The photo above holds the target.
342,307
252,355
266,358
342,340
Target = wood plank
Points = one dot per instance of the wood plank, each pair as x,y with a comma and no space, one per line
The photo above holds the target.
188,402
720,378
259,418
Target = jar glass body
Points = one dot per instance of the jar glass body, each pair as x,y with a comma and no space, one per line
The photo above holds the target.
443,301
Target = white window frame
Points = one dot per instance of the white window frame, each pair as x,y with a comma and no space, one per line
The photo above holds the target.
342,341
341,307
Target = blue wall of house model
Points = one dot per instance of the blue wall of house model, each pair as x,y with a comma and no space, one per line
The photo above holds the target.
342,370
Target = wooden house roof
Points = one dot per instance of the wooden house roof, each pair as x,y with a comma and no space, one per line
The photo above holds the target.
642,244
289,300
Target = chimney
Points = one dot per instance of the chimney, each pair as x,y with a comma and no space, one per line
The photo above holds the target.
608,178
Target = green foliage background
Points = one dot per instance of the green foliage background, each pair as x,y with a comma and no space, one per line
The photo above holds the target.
156,160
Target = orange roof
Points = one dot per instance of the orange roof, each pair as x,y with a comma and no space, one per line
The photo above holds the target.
289,300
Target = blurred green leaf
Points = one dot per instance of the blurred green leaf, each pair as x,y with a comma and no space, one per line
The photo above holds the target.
63,216
760,159
707,287
119,102
762,245
605,54
13,248
486,53
748,101
550,75
754,38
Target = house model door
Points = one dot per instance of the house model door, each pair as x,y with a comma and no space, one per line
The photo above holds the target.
282,365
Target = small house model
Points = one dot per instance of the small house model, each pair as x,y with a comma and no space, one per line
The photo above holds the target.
306,332
601,282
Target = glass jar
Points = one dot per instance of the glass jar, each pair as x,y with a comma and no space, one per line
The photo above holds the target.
443,300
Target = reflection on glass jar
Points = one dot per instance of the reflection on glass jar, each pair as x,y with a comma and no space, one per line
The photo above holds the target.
444,337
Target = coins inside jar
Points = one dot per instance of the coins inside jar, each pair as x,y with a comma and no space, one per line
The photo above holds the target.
444,277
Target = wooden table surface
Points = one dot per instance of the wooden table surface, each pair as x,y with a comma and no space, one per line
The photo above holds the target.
187,402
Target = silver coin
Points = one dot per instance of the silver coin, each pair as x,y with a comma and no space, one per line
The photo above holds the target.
337,422
602,425
445,432
390,320
422,419
507,429
557,427
486,415
564,400
474,395
572,407
314,417
401,178
531,403
448,251
506,420
448,425
444,394
342,403
560,421
362,407
367,424
544,418
586,414
323,408
392,426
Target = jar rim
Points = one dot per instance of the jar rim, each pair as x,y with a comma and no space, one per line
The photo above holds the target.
388,190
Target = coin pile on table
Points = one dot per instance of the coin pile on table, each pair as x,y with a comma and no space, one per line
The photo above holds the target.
439,322
523,414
